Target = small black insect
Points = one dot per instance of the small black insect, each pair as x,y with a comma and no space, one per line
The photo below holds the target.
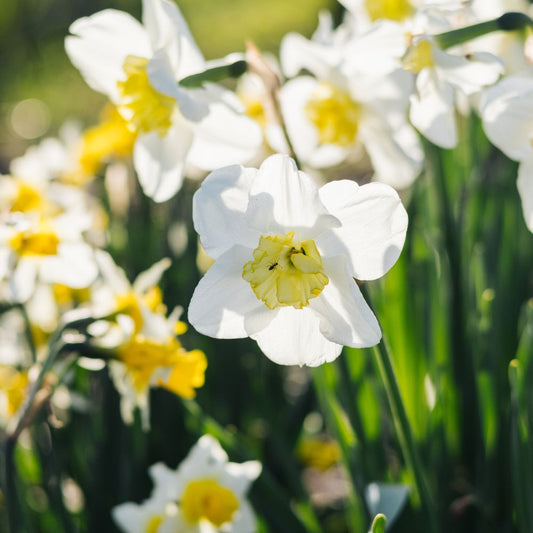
273,266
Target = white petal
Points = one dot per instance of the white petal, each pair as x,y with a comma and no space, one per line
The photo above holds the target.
100,44
507,113
130,517
219,208
284,199
113,275
345,317
525,188
151,277
159,161
222,298
468,75
374,224
377,51
74,266
298,53
395,152
432,110
23,279
294,338
225,135
168,31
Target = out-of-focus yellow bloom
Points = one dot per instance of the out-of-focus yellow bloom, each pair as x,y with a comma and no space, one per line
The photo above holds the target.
13,386
319,453
397,10
165,364
108,139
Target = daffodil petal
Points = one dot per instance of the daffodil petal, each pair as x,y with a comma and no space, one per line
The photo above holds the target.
159,161
345,317
219,208
298,53
168,31
507,113
74,266
225,135
99,45
284,199
374,224
525,188
222,298
432,110
294,338
395,152
468,74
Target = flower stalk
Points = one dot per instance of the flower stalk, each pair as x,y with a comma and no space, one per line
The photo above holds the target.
404,432
512,21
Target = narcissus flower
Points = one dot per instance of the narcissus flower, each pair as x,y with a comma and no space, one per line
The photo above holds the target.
285,256
347,106
440,78
205,494
140,67
145,350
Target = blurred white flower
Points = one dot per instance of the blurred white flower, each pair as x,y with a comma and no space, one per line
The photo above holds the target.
441,77
139,67
48,249
348,104
285,256
507,114
205,494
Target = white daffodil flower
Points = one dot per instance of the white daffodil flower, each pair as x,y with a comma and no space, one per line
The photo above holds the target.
48,249
205,494
507,114
366,12
285,256
346,106
139,67
441,77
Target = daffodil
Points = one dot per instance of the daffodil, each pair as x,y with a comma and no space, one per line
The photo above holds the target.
347,106
47,249
139,67
440,78
285,256
205,494
146,351
507,113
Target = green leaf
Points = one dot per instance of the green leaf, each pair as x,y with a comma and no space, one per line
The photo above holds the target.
379,523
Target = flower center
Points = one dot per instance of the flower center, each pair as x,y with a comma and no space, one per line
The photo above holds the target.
284,272
14,385
207,499
334,114
110,138
143,356
26,199
418,56
42,241
153,525
397,10
144,108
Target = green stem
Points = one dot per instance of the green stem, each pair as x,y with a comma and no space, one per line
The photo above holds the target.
340,425
10,486
403,430
511,21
